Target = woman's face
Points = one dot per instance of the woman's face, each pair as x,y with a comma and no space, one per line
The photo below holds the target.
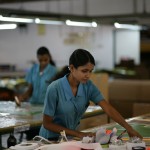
82,73
43,60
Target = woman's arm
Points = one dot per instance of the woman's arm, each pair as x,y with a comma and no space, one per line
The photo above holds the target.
49,125
115,115
27,93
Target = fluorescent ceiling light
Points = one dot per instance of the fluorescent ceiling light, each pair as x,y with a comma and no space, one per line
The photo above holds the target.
12,19
7,26
83,24
127,26
53,22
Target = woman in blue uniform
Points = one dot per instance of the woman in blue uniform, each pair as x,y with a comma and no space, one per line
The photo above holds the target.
38,77
38,80
68,98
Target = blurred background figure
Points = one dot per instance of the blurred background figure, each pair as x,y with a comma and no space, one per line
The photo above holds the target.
38,80
38,77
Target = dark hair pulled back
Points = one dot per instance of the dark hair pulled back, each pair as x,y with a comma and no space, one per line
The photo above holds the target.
78,58
81,57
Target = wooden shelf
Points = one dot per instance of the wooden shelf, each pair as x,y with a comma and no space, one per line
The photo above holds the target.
12,74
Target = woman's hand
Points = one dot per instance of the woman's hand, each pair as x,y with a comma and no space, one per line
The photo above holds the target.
20,98
133,133
116,116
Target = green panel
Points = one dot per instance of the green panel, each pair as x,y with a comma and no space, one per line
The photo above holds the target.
144,130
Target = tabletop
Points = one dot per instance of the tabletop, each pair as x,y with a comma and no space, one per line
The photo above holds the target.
140,123
17,119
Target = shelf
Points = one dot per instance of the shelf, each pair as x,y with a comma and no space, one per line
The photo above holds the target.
13,74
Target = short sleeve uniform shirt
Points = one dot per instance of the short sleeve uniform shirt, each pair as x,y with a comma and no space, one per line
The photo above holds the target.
39,82
65,108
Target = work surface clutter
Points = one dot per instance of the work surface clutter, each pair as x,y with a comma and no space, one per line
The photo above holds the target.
108,137
104,140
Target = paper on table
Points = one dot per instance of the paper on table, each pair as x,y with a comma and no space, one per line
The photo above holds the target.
130,145
117,147
71,146
145,139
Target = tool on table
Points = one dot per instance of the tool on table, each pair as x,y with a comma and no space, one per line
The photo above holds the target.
42,140
121,134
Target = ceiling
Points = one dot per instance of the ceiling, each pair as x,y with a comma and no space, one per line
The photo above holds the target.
14,1
134,18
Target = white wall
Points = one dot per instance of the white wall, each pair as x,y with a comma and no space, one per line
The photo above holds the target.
19,46
127,45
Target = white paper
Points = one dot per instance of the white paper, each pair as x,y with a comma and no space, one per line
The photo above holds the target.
130,145
117,147
71,146
25,146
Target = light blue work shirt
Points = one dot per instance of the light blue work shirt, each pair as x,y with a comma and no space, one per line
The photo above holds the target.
40,82
65,108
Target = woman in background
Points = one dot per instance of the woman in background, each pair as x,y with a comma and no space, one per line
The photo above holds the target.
68,98
38,77
38,81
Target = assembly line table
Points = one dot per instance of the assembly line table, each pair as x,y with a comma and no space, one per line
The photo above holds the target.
140,123
18,119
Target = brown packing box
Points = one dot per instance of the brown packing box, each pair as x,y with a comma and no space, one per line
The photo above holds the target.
141,109
124,90
101,81
145,91
124,93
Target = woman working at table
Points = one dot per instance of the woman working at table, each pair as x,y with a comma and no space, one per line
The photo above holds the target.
38,77
68,98
38,80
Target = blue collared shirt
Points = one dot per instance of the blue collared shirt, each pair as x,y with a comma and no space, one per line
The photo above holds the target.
40,82
65,108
